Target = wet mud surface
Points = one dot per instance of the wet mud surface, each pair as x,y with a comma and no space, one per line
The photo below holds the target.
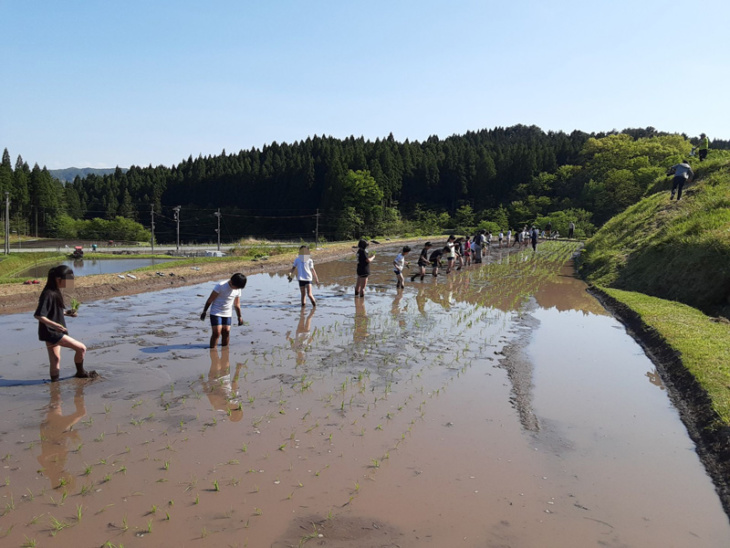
496,406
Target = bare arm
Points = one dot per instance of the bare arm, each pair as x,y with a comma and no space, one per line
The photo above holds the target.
314,273
213,297
53,325
237,308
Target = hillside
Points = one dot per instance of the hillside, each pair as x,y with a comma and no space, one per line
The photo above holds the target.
677,251
69,174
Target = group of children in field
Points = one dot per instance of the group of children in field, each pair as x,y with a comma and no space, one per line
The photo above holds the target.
225,298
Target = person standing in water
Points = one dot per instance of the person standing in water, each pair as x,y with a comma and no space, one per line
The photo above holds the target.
398,265
52,324
304,267
363,268
435,259
450,251
422,262
226,296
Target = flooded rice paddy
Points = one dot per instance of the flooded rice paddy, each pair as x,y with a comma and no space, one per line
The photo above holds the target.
496,406
88,267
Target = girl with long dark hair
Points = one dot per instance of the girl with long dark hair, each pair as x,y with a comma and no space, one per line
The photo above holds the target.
363,268
52,325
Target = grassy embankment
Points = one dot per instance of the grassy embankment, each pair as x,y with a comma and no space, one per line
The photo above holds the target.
669,261
15,263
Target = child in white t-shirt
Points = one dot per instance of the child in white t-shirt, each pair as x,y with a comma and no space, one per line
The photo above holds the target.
304,267
226,296
398,265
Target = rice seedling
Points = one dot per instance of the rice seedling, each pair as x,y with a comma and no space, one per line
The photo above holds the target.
57,525
79,513
216,487
10,505
149,526
35,519
28,543
257,512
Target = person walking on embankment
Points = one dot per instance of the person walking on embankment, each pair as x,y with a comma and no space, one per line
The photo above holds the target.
704,146
682,174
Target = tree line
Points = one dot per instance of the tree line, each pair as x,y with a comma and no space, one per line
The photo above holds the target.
346,188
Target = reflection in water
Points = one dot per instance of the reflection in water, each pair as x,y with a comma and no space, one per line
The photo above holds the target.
56,430
302,339
654,378
222,391
360,333
395,309
567,292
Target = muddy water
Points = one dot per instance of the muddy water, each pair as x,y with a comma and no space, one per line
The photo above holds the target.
498,406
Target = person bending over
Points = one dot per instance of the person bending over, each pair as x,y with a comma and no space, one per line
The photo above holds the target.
226,296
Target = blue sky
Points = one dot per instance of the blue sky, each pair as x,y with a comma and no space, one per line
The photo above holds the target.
101,84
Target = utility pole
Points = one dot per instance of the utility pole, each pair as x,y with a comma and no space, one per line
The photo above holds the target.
152,228
316,230
7,223
177,220
218,230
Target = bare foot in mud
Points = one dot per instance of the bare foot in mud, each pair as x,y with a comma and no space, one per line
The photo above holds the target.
83,374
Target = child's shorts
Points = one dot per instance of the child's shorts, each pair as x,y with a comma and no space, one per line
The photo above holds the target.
219,320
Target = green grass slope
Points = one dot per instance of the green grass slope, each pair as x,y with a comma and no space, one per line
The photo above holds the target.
678,251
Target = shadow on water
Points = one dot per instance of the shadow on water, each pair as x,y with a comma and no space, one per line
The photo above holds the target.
171,347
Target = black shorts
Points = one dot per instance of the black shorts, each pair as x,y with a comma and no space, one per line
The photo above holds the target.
304,283
52,338
219,320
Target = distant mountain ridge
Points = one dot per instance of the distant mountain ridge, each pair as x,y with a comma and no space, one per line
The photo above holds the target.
69,174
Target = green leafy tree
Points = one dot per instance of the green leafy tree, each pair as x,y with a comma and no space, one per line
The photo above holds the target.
362,193
464,218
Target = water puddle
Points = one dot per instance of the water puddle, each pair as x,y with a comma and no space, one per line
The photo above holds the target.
88,267
496,406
